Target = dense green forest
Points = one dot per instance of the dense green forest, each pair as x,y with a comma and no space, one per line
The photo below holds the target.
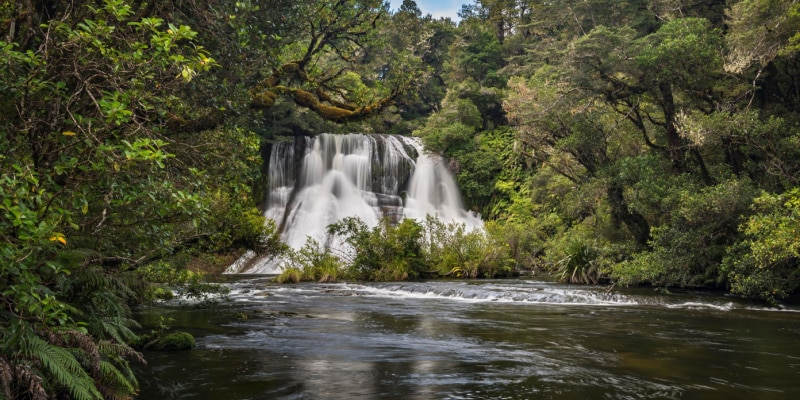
641,142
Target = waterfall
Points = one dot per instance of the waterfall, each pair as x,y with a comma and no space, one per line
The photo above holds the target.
433,191
317,181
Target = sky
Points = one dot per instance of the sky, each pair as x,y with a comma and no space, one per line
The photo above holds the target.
437,8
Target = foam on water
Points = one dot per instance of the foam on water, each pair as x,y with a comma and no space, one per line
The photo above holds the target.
521,292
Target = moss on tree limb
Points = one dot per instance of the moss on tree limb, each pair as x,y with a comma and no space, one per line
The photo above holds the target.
264,96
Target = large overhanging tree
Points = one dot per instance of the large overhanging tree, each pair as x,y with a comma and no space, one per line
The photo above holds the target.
89,189
337,65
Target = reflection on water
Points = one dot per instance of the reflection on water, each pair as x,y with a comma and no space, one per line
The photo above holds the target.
505,339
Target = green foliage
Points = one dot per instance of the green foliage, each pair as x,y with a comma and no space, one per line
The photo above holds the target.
760,30
581,263
454,137
453,249
582,254
650,136
233,224
87,359
764,264
477,55
685,50
290,275
407,250
689,248
310,263
652,193
125,155
521,243
95,185
385,252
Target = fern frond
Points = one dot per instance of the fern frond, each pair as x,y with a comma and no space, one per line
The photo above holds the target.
62,366
30,381
87,346
114,378
119,381
116,331
108,349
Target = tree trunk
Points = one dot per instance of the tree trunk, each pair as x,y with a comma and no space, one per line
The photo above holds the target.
635,223
676,153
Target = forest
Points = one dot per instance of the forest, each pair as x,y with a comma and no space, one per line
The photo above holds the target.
641,143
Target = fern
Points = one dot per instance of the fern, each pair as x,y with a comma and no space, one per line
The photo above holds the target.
62,366
30,382
116,331
6,378
115,370
115,381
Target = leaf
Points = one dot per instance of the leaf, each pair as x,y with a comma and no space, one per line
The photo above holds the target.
58,237
69,133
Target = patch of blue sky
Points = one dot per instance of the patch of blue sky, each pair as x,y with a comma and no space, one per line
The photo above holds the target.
436,8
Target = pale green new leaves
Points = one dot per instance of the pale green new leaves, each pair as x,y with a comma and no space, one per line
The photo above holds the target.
760,30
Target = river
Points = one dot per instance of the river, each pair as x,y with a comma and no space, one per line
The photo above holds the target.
487,339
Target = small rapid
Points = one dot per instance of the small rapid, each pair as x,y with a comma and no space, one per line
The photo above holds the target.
521,292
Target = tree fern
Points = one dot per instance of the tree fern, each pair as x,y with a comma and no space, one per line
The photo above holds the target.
6,378
29,382
116,384
62,366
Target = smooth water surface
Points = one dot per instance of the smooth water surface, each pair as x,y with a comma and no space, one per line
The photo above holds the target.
503,339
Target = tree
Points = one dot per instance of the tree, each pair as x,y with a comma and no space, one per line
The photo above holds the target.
574,136
338,71
90,191
423,43
764,264
652,80
760,31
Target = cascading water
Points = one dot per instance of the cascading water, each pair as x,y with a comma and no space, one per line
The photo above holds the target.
316,181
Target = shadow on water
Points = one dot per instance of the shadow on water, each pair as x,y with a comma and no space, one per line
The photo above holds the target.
516,339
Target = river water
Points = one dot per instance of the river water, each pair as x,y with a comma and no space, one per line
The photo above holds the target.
491,339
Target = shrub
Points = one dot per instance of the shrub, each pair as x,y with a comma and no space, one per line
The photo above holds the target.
580,255
765,264
384,252
310,263
452,249
688,249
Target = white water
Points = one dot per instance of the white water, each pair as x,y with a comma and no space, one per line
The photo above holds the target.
354,175
433,191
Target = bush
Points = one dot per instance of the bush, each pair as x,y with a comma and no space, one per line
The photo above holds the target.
408,250
765,263
688,249
452,249
310,263
290,275
384,252
237,226
580,255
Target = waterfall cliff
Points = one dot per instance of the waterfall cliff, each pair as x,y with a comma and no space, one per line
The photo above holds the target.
316,181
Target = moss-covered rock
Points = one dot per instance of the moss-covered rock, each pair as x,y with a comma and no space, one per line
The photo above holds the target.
175,341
